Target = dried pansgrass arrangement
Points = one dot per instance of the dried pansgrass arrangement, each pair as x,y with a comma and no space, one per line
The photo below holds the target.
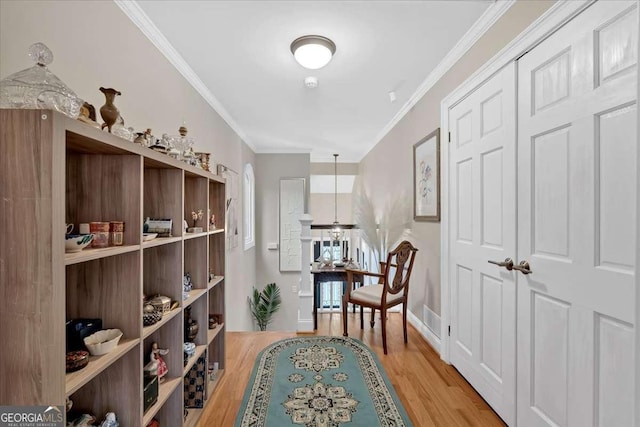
381,230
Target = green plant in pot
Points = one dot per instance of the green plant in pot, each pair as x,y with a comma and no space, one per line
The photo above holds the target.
264,304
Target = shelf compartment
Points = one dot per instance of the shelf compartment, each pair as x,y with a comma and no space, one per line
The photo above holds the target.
217,205
159,241
195,198
93,254
105,187
163,195
170,338
200,349
104,393
213,333
107,289
148,330
75,380
188,236
165,390
215,281
217,254
195,262
162,271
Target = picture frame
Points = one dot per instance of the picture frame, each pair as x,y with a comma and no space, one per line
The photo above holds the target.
426,178
232,209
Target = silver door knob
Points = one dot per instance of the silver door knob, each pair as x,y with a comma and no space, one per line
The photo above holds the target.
523,267
507,263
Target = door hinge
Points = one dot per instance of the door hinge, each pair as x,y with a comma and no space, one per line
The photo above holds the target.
449,136
449,330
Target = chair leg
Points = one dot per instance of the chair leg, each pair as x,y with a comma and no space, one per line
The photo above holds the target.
383,312
344,318
373,317
361,318
404,321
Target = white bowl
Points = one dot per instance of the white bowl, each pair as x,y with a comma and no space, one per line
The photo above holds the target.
148,236
76,242
102,342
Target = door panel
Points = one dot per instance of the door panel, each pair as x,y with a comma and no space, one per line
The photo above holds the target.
482,217
577,143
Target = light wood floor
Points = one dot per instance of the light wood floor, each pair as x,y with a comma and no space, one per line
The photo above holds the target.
432,393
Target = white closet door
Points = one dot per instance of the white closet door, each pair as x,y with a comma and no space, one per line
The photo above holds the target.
482,216
577,147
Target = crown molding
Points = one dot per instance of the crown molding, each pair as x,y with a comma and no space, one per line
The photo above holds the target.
282,150
479,28
134,12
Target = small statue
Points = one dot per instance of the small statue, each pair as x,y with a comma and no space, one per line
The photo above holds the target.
110,420
212,221
88,115
108,111
84,420
196,216
157,365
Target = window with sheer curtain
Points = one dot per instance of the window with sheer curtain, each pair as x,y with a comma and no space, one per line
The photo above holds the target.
249,203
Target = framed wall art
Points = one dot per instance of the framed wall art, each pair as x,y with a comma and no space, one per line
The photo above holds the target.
426,178
232,209
291,209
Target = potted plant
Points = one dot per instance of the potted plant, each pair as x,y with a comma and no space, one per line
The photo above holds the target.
264,304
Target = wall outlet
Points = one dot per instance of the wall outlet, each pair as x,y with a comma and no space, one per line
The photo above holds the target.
294,288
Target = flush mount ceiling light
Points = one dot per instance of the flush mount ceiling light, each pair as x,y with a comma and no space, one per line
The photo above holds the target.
313,52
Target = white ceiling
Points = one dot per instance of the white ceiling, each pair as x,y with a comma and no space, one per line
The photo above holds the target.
240,51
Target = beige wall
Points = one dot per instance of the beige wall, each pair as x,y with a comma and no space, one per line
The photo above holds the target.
95,44
388,166
321,208
269,169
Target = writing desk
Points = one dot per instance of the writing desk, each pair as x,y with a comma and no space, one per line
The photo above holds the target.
327,274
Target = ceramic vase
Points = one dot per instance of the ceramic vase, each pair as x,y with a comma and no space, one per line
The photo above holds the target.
108,111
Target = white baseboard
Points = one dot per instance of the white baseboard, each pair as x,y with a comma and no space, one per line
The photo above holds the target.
305,326
426,333
432,320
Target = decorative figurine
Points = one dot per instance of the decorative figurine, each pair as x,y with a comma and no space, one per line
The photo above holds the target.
196,216
212,221
186,286
110,420
88,115
108,111
157,365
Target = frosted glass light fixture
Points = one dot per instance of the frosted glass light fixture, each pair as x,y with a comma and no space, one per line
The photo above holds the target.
313,52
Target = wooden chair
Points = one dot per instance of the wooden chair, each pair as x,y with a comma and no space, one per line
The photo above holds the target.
388,292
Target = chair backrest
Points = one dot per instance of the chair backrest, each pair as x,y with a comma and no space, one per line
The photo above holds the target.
401,260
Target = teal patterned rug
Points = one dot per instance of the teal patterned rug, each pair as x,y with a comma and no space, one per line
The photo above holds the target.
319,381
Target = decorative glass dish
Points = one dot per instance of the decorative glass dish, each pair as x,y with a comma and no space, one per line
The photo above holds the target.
39,88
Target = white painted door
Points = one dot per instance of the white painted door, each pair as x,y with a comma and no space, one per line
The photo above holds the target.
482,188
576,221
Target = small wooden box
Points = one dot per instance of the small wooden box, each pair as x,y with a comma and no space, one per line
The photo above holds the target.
150,391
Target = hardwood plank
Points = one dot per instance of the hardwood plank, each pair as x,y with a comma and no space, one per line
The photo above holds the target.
432,392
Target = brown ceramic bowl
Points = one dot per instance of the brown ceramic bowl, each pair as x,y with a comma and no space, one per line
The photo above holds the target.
77,360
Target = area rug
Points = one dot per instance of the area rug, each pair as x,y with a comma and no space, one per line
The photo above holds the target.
319,381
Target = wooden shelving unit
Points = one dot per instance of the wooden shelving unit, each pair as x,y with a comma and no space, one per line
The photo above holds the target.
57,171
